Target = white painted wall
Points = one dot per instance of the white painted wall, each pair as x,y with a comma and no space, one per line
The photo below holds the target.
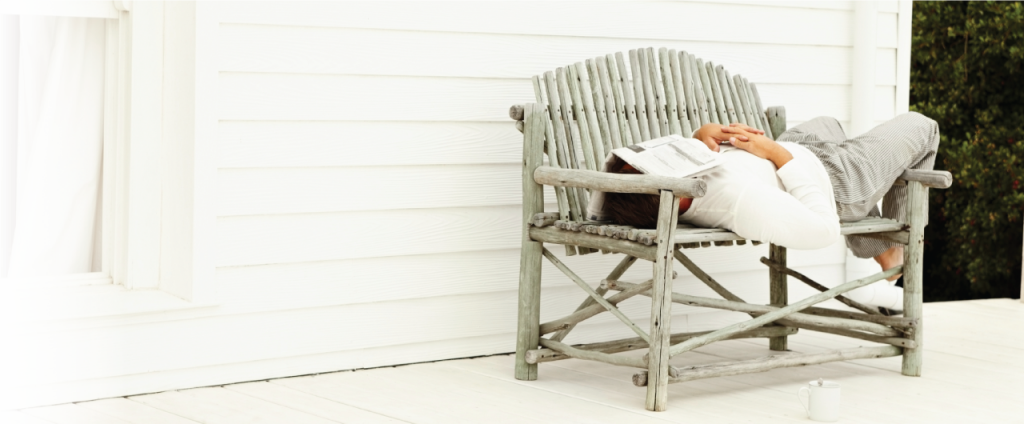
367,191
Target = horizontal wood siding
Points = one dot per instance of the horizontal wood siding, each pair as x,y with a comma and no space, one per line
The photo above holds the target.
258,191
796,24
287,49
316,97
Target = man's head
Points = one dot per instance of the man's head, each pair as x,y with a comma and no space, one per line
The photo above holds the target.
637,210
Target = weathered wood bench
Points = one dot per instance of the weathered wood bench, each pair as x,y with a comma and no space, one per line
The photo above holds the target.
584,110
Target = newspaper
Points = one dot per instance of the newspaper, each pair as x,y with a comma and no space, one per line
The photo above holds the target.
672,156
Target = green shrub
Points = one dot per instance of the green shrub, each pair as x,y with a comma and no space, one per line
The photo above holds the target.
966,74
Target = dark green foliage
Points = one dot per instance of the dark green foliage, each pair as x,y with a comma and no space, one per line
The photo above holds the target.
966,73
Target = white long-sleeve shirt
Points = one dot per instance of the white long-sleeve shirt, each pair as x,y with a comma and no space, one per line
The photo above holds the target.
793,206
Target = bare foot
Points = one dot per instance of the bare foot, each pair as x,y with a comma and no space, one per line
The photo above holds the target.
890,259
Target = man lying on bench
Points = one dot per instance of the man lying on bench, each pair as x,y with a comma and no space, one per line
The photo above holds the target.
795,190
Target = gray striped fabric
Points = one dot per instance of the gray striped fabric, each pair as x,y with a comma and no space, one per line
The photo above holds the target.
862,169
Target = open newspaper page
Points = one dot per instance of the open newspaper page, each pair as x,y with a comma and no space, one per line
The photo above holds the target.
671,156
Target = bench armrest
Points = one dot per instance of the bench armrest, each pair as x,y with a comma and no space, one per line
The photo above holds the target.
619,183
933,179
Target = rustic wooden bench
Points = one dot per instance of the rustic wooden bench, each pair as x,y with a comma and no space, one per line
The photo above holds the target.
584,110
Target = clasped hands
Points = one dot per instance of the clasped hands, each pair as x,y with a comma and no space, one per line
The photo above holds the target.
745,138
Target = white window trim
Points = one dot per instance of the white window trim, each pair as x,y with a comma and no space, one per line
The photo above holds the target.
159,198
72,8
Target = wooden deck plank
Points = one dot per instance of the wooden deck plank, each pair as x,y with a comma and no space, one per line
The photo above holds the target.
618,393
977,326
70,413
414,393
716,397
19,417
216,405
408,399
983,350
974,379
868,390
1012,306
314,405
184,405
134,412
871,396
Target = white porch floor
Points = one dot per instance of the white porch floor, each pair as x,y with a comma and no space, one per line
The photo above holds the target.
973,373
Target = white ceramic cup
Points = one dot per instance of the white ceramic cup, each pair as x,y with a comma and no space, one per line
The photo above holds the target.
822,400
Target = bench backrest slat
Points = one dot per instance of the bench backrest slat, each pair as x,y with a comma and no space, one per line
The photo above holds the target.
741,90
713,102
698,91
587,92
737,104
583,137
619,124
723,89
629,101
685,125
671,99
640,102
645,95
600,85
660,102
690,96
763,112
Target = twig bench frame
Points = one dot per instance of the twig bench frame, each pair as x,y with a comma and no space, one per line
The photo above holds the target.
586,109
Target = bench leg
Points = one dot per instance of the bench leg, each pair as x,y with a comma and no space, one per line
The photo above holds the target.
528,332
779,291
913,256
661,305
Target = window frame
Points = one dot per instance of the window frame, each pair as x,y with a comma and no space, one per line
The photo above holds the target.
86,9
158,198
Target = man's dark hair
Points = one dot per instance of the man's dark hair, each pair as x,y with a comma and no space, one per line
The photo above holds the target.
637,210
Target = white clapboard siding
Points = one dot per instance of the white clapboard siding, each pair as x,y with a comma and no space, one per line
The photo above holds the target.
641,20
256,288
258,240
353,143
804,102
298,97
332,189
255,144
287,49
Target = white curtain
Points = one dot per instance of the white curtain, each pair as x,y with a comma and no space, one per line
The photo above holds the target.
58,146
